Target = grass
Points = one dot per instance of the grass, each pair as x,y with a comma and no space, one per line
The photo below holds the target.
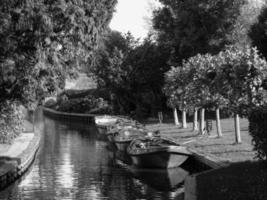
222,149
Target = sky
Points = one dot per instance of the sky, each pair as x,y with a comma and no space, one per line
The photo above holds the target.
133,15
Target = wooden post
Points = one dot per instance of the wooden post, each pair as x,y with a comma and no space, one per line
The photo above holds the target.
218,123
195,124
184,120
160,117
176,119
202,121
237,130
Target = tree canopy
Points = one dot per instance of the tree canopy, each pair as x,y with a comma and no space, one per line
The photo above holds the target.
44,41
258,34
234,78
133,72
193,26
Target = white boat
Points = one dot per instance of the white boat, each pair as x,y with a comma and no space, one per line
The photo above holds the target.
105,120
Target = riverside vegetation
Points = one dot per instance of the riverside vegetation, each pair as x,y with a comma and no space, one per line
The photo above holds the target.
204,57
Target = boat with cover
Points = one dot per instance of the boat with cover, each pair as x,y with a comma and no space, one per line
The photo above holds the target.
157,152
105,121
120,126
124,137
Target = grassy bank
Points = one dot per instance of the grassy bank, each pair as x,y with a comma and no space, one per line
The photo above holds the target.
221,149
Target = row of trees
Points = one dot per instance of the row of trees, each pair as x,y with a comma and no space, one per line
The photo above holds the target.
233,79
216,68
41,43
133,71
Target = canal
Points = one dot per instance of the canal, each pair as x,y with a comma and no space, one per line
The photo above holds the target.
73,163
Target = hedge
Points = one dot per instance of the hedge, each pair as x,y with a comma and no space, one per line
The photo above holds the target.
258,130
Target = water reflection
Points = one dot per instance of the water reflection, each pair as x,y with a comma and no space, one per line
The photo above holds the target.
162,180
74,164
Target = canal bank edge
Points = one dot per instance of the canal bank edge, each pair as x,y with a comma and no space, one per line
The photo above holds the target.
16,163
88,118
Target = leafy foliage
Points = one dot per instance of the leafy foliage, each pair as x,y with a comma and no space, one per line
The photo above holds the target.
87,104
194,85
10,121
133,72
176,82
193,26
249,13
234,79
257,129
43,42
258,33
241,77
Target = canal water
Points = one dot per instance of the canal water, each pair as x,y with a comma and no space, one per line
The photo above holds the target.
74,163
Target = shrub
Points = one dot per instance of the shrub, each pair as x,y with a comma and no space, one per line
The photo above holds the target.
11,117
258,130
87,104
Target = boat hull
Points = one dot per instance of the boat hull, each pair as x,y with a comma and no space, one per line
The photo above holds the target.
110,138
161,179
161,159
101,130
122,145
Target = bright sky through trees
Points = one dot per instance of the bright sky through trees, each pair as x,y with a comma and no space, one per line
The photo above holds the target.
132,15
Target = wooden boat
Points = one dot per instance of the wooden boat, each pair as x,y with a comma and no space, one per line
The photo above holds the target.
114,130
120,158
156,152
121,126
123,138
103,123
105,120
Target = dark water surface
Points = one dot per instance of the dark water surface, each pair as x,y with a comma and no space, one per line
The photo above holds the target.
73,163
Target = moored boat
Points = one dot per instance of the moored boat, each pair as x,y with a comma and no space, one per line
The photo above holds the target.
115,129
103,123
108,123
105,120
156,152
120,126
123,138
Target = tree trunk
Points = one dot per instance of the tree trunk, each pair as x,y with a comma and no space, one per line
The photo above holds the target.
184,120
176,119
237,130
195,122
218,123
202,121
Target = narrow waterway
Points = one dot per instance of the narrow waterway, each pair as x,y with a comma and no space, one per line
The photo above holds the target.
73,163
